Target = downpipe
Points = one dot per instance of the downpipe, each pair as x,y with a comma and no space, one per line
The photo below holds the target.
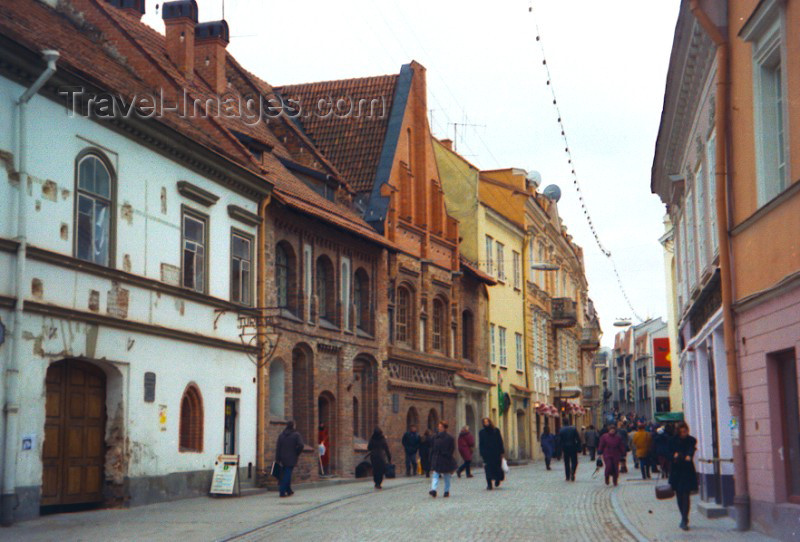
8,498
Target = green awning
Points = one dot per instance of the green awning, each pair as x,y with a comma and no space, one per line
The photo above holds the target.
669,417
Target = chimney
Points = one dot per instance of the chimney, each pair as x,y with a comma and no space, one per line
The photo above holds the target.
447,143
211,39
180,18
135,8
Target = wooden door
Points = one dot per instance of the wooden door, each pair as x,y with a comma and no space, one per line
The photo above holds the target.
73,454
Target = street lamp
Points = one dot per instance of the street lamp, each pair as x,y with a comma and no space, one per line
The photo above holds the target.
622,322
544,267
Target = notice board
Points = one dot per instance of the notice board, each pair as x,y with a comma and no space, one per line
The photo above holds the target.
226,475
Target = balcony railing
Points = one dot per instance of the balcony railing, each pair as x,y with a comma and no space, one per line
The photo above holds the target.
564,312
590,338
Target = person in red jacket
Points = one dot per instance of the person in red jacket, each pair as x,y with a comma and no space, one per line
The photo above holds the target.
466,444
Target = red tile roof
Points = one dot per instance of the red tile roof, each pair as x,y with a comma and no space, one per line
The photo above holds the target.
475,378
521,389
353,142
480,275
120,54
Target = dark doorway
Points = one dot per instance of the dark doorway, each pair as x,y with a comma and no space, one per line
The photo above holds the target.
231,408
73,451
326,409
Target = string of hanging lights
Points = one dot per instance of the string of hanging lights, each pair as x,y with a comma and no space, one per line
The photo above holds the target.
571,163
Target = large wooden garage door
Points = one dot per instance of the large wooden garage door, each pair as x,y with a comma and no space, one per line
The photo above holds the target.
73,452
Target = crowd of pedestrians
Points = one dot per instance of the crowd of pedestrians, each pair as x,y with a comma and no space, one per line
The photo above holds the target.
665,450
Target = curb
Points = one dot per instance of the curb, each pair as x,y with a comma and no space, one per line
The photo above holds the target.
635,533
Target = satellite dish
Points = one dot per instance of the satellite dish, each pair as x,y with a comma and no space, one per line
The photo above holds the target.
534,176
552,192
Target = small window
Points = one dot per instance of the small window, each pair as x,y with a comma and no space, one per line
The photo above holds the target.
285,275
361,300
194,251
502,339
493,344
489,257
437,338
517,270
404,309
93,210
191,422
518,343
501,264
277,389
326,304
467,335
241,268
345,293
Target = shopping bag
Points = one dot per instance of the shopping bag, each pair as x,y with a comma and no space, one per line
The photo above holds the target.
504,465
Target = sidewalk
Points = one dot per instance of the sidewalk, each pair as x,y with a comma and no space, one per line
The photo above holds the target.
202,518
650,519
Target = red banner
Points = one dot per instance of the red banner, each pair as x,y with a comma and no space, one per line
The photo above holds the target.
661,355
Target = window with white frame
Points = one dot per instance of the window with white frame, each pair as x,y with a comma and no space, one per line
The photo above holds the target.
195,249
501,337
520,351
690,239
492,344
93,210
517,269
764,30
489,249
702,223
241,267
711,161
501,264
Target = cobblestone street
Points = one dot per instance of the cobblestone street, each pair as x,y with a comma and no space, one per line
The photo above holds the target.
533,504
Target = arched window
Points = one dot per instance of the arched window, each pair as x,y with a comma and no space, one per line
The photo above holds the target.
326,295
285,271
361,300
433,420
403,327
303,390
365,375
191,426
439,326
467,335
277,390
412,418
93,209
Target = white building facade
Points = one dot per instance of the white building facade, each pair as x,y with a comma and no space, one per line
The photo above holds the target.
132,375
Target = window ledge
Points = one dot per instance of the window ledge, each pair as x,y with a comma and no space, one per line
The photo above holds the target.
364,334
767,208
327,324
286,313
278,421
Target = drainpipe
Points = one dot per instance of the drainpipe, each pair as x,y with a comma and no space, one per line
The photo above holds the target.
741,500
8,499
261,334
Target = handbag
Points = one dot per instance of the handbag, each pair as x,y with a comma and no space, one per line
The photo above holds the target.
391,471
599,463
276,469
504,465
664,491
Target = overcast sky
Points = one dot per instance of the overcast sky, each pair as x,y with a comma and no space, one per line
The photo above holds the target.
608,59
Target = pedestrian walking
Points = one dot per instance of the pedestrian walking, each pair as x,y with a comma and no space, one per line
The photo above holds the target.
324,440
570,446
379,455
682,475
591,440
548,440
643,444
612,449
425,443
490,445
411,442
443,461
623,434
466,444
661,445
287,451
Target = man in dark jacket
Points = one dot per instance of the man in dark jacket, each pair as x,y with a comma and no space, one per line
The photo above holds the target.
287,450
591,439
466,443
411,447
623,434
490,445
570,446
443,461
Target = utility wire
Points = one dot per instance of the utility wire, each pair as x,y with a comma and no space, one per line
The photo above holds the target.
571,163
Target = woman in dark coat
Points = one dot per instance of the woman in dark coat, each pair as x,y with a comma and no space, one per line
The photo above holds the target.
490,444
466,443
682,475
379,456
425,444
612,450
661,445
443,461
548,445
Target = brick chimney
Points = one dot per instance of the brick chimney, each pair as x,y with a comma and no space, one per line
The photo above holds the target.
447,144
180,19
134,8
210,40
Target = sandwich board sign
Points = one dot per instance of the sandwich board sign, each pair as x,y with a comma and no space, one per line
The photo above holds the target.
226,477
